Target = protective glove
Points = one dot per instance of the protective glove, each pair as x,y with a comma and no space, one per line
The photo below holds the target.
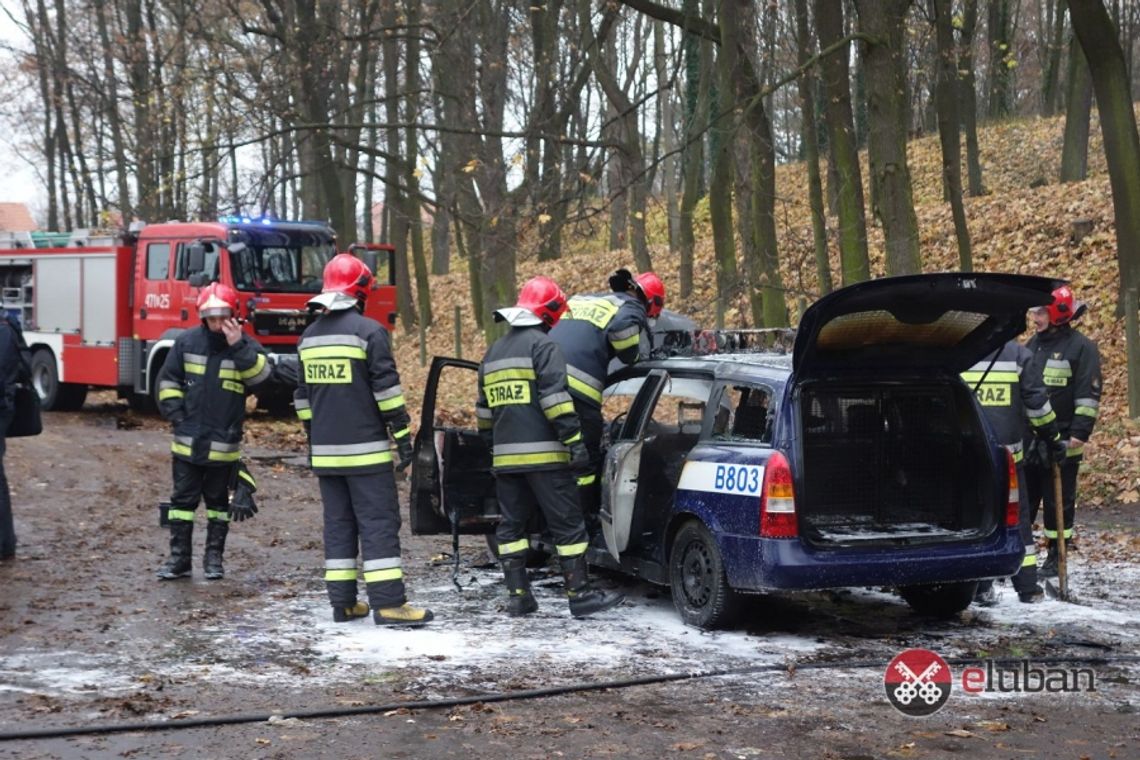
404,453
1058,450
579,459
242,505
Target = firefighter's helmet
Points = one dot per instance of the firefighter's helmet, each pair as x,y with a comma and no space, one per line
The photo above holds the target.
217,300
1063,307
653,291
543,298
348,275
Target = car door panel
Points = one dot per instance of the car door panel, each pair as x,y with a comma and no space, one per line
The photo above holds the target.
623,464
451,466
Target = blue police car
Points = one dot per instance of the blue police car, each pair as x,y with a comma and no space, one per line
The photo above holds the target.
845,453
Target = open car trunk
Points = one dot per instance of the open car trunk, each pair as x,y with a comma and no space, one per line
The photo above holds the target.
893,463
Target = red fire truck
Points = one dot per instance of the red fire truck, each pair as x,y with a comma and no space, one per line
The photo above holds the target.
102,309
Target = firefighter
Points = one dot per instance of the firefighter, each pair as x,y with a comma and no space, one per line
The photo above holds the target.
13,370
526,414
350,400
597,329
1011,398
1068,364
201,390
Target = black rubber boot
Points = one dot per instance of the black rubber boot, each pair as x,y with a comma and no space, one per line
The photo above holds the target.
584,599
520,601
178,564
216,532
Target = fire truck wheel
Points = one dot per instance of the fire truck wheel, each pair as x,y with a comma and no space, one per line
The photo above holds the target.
54,395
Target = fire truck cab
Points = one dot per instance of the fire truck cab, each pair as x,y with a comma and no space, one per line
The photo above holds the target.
102,309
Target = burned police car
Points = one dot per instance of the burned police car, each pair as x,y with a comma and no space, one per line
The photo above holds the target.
860,458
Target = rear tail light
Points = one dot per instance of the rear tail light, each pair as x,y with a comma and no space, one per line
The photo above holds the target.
1013,506
778,500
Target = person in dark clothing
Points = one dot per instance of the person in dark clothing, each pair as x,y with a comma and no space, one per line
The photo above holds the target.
526,416
350,400
597,329
12,363
201,390
1068,364
1012,400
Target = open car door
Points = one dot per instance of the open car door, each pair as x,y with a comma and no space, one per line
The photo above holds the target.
451,465
623,460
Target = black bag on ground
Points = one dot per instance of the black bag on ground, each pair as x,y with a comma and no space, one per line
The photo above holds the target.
26,418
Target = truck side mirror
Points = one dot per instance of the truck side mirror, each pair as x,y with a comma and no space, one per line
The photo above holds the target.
199,279
195,258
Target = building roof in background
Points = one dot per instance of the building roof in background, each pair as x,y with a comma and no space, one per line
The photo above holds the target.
15,217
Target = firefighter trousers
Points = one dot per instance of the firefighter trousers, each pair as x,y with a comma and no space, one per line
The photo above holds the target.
195,482
551,491
362,515
590,493
1039,481
1026,578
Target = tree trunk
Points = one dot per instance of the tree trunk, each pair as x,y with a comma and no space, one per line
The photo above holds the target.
720,184
1118,125
1078,111
841,138
968,92
395,204
111,114
806,84
692,155
668,133
1001,55
947,97
412,209
1051,83
887,106
766,296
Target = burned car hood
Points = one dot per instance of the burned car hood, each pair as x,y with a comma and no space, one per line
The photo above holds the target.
946,321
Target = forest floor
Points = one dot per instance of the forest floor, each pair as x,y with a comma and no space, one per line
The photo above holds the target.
98,659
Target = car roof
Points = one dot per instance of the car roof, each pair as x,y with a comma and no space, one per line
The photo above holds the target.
742,366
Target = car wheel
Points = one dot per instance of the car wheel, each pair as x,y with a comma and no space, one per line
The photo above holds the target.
54,395
940,600
696,575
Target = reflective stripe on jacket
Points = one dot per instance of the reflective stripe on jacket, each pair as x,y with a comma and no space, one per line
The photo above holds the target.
201,389
1068,364
597,329
523,404
349,392
1012,397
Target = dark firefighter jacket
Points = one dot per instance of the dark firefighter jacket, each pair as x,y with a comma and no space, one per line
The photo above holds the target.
349,394
596,329
523,402
1011,396
13,361
1069,365
201,389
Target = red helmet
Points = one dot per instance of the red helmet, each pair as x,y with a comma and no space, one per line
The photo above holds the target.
348,275
543,297
217,300
1062,309
653,290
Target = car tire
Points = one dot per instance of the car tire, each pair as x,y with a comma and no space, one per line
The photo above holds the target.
54,395
940,600
700,589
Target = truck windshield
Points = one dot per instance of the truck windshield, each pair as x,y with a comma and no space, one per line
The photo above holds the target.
282,261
